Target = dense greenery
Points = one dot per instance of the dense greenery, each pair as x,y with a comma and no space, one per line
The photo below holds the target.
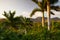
28,30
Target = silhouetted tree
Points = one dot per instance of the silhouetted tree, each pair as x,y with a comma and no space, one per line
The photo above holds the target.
11,20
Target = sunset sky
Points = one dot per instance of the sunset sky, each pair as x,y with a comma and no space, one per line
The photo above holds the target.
22,7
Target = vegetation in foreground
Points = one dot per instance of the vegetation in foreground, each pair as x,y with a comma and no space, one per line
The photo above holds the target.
21,28
35,32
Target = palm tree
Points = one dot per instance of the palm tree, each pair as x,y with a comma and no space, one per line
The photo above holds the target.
48,10
42,8
11,20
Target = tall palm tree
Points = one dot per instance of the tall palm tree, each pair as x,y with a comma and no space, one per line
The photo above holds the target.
48,10
42,8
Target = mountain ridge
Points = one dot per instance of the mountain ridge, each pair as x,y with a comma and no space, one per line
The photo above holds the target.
39,19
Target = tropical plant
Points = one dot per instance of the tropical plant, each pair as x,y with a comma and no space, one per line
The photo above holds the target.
42,34
42,8
11,20
25,23
49,2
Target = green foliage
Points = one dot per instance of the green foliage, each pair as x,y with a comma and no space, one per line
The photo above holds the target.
33,34
11,20
28,30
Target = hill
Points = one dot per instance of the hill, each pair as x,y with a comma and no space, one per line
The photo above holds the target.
39,19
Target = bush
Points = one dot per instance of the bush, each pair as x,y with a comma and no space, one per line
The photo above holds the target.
35,33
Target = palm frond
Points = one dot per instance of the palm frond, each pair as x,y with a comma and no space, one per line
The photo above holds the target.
53,1
14,13
35,10
56,8
37,2
6,14
52,13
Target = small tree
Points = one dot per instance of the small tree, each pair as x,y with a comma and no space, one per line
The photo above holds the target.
11,20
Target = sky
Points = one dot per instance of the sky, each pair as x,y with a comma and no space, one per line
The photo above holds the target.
22,7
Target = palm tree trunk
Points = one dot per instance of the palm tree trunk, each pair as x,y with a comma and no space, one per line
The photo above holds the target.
48,14
43,19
